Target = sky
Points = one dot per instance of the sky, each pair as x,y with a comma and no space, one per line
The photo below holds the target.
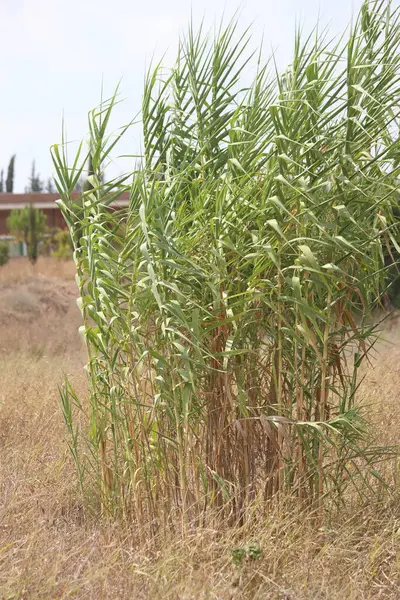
56,54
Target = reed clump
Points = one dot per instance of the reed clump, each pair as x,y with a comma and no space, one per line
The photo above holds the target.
227,310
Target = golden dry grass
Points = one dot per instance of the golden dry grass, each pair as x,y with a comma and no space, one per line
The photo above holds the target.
18,269
51,548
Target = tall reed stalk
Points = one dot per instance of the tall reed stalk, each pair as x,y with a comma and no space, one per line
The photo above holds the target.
226,309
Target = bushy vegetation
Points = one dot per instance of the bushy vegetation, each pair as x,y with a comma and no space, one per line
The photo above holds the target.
227,321
4,253
28,225
62,242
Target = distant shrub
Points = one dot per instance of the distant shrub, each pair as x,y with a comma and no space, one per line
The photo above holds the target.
4,253
29,225
63,245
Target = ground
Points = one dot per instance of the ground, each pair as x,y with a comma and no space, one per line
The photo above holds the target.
51,547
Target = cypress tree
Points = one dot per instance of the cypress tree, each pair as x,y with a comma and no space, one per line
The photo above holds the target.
10,175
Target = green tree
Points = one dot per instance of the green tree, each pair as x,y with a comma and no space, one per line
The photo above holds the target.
36,185
29,225
10,175
50,186
1,181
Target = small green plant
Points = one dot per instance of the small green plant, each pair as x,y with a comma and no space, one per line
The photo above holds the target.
4,253
28,225
250,552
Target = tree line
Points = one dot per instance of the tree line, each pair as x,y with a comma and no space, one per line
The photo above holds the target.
35,183
29,225
8,184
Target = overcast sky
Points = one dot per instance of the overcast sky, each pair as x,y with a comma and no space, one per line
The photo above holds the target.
55,54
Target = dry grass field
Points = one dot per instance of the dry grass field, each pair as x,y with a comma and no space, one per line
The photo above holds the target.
51,547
